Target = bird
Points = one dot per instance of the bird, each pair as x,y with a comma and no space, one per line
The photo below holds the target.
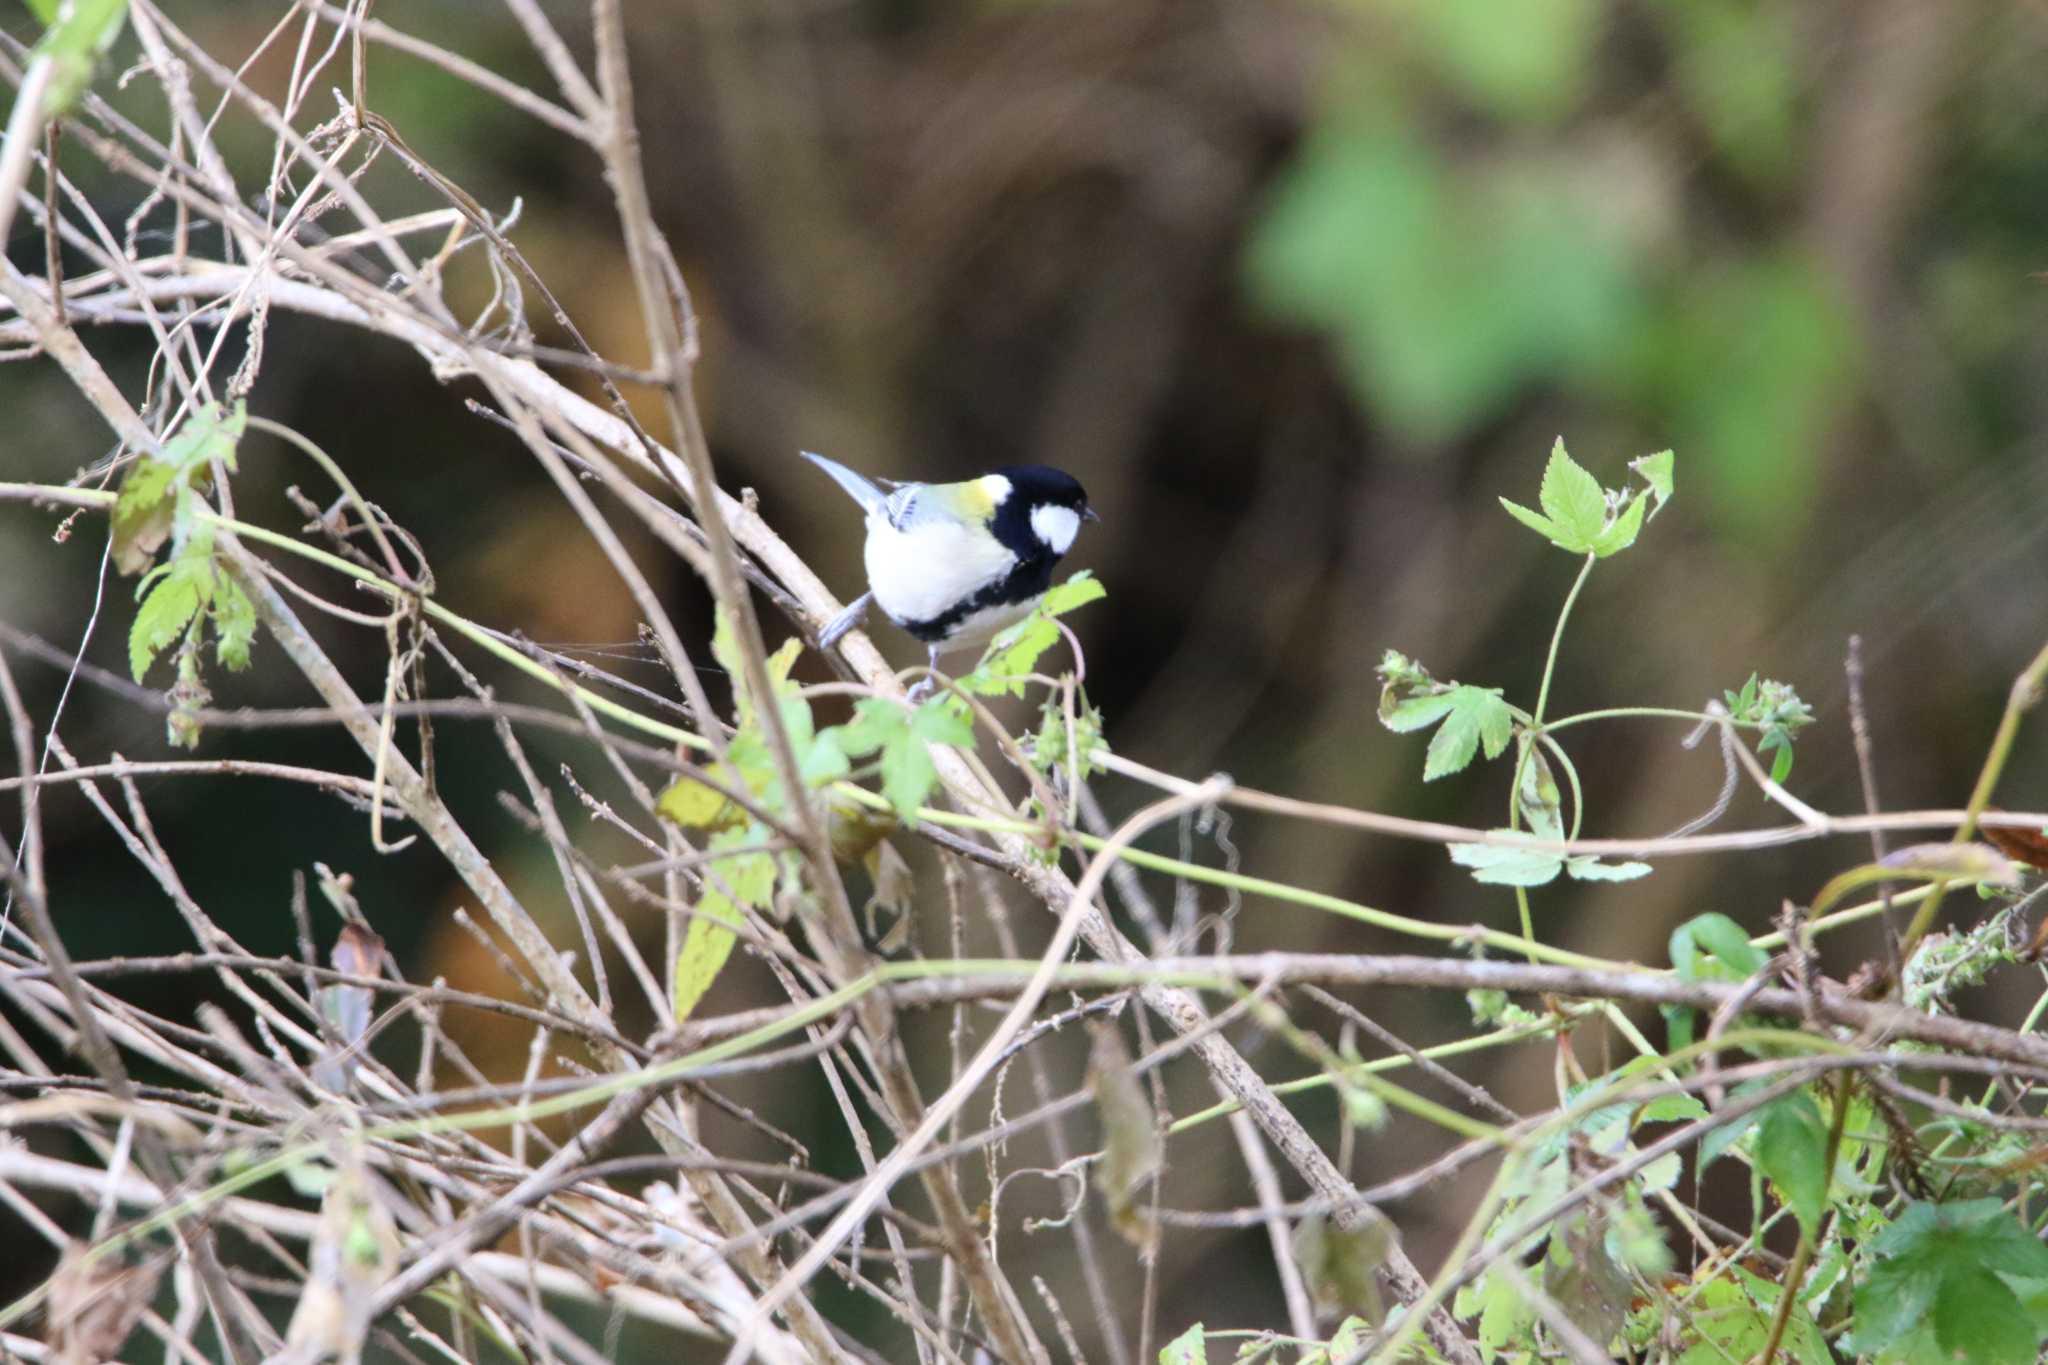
954,563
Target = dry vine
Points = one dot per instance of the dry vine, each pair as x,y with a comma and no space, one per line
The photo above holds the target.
449,1218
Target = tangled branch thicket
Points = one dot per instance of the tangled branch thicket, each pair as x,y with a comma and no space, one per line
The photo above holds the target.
322,1171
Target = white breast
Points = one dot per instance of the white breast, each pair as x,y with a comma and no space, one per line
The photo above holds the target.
928,566
1056,526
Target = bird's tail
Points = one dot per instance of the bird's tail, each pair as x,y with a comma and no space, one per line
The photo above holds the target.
859,489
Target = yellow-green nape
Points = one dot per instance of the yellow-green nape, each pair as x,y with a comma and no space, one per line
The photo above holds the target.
975,499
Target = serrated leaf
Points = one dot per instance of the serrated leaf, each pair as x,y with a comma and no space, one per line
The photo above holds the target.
1077,591
208,434
902,738
1572,499
1791,1148
1732,1322
1657,471
1535,521
1189,1348
2000,1243
1978,1317
234,623
1501,865
1014,653
1416,713
937,722
143,514
166,613
1586,868
1478,717
1622,533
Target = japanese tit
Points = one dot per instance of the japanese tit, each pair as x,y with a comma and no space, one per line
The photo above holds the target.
954,563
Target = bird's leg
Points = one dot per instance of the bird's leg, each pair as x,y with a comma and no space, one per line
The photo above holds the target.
855,612
924,685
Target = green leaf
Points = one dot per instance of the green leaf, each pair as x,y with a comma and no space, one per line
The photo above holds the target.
1338,1264
1781,766
234,623
1078,591
698,805
1584,1280
1623,532
907,778
1719,936
1572,499
903,739
168,611
143,514
1656,471
2004,1245
1586,868
1501,865
1730,1322
1791,1148
1014,653
706,946
1978,1317
158,496
1417,713
1477,717
207,435
1133,1147
1535,521
1672,1109
1505,1315
79,33
1189,1348
824,760
45,11
1538,797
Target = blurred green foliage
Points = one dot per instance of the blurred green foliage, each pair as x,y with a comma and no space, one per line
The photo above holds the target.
1456,265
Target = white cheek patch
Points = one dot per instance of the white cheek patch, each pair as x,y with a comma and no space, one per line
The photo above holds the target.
1056,526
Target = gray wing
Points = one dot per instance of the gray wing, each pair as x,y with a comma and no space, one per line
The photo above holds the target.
907,506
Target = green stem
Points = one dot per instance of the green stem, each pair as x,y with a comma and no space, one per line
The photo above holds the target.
1536,729
1557,638
2025,695
1642,713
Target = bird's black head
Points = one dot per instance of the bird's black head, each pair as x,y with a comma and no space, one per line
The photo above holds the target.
1042,512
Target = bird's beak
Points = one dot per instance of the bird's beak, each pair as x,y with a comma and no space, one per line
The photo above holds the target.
1088,514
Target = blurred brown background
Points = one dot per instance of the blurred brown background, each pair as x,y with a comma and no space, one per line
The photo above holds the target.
1297,291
